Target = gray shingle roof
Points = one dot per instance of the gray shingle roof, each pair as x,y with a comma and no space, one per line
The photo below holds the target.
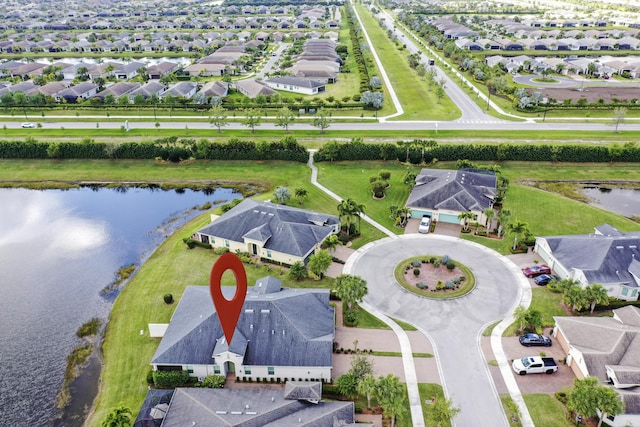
251,408
283,228
608,343
604,258
296,81
453,190
283,327
303,390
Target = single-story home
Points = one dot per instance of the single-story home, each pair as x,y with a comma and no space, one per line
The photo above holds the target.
253,88
182,89
281,334
607,348
118,89
300,404
148,90
608,257
274,232
217,88
445,194
296,84
82,91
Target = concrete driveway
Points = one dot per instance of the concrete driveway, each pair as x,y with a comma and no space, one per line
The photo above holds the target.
455,325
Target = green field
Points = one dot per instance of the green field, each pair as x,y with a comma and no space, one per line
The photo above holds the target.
418,101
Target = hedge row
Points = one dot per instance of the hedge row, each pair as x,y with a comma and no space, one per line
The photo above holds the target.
413,153
355,34
172,149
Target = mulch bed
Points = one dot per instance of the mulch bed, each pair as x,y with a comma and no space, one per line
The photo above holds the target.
430,276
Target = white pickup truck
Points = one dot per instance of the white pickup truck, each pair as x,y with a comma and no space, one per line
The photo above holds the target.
534,365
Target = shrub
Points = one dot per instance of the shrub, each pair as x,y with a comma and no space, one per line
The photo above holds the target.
170,379
351,317
432,260
451,265
416,271
213,381
416,263
562,397
168,299
439,285
421,285
436,263
445,259
150,376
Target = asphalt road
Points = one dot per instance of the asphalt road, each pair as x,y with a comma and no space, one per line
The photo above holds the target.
199,122
455,326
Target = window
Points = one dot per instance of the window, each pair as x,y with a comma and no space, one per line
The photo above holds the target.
625,291
271,370
268,254
226,243
216,369
634,292
190,369
247,370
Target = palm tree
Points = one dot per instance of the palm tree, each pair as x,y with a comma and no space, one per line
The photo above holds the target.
301,194
331,243
344,213
503,219
575,297
488,214
357,209
465,217
517,228
596,294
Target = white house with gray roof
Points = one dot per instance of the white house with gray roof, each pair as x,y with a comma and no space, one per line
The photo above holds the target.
282,334
296,84
445,194
276,233
607,348
300,404
608,257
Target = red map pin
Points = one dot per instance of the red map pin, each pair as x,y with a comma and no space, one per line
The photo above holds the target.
228,310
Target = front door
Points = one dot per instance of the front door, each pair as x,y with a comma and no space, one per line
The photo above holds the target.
254,249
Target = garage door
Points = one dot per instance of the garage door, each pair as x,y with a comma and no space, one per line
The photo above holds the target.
449,218
418,213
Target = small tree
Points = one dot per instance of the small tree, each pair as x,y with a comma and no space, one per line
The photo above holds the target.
331,243
319,263
298,271
347,385
218,117
619,115
252,118
282,194
517,228
520,316
442,411
367,386
321,120
390,395
119,416
350,289
300,194
596,294
587,397
285,118
575,298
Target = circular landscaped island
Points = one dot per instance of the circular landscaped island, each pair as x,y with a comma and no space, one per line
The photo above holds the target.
437,277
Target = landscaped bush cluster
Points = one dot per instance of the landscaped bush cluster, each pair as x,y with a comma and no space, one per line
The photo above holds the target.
212,381
170,379
192,243
355,34
171,149
335,151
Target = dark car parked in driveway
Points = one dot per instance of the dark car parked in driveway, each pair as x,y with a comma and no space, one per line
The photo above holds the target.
536,270
529,340
545,279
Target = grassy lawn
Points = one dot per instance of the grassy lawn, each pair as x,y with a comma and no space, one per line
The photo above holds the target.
351,180
546,411
418,101
548,303
427,391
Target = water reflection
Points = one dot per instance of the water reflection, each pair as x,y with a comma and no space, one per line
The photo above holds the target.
623,201
58,249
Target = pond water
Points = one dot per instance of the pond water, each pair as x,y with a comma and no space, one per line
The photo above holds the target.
623,201
58,250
